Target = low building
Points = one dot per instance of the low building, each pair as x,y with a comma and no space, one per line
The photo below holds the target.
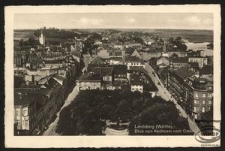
116,61
162,62
150,54
179,62
89,81
202,61
177,54
116,53
139,79
131,61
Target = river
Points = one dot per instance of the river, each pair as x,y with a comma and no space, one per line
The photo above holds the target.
200,46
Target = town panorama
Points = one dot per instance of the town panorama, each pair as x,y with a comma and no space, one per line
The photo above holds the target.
112,81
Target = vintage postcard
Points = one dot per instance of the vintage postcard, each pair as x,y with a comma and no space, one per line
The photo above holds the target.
112,76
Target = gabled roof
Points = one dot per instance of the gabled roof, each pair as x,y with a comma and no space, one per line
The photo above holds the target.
132,59
50,86
184,72
97,60
162,57
90,77
102,70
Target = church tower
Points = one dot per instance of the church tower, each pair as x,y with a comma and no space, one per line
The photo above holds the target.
42,39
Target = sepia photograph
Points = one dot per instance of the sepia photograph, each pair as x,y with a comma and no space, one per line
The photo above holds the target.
148,76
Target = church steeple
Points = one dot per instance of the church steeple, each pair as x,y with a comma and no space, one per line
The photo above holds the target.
42,38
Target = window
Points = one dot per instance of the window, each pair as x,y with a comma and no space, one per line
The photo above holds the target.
196,116
203,109
210,102
208,108
196,102
26,124
195,108
196,95
25,113
210,95
203,95
203,102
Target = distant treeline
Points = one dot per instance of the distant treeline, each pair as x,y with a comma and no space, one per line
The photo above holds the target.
57,33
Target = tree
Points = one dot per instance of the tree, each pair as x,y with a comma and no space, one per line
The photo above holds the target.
85,114
178,38
171,40
21,43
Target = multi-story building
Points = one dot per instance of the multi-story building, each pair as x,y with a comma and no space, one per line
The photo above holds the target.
35,105
120,73
192,92
27,112
136,83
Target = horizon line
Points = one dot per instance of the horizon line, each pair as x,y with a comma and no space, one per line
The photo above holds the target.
117,28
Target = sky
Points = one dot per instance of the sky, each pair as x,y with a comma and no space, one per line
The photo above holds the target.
115,20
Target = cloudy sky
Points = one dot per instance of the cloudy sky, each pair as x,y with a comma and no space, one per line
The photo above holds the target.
115,20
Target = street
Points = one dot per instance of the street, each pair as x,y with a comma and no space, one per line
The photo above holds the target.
52,127
165,94
87,59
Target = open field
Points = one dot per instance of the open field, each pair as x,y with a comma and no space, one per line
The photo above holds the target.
195,36
25,34
22,34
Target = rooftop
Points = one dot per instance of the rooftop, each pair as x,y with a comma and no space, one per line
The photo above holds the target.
129,50
120,69
26,99
135,79
90,77
180,60
132,59
184,72
139,69
97,60
117,59
206,70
